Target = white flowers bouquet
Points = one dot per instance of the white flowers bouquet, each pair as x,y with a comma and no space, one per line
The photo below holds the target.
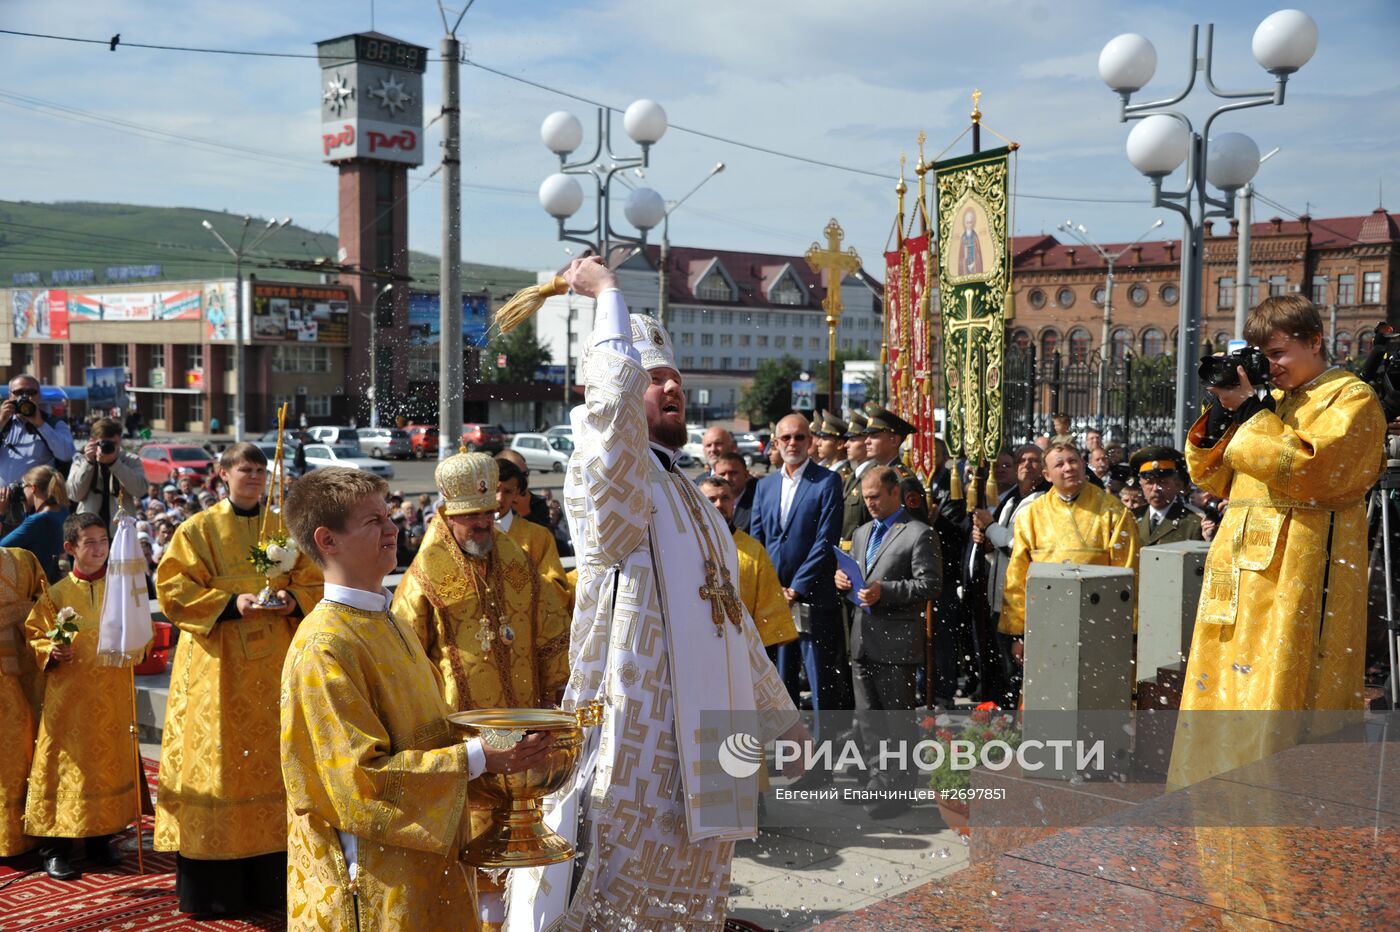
64,626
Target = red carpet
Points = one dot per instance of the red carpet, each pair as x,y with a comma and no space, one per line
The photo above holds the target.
106,898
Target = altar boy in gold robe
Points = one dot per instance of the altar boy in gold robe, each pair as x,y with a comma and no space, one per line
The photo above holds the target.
1282,619
82,783
377,783
22,582
220,804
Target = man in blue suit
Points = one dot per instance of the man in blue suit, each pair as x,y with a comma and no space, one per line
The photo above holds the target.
797,517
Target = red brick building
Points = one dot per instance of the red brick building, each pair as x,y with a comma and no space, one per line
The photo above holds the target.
1344,264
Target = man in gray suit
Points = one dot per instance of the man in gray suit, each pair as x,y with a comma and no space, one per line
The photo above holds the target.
902,565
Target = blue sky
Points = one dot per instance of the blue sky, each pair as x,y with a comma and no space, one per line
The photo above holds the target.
847,83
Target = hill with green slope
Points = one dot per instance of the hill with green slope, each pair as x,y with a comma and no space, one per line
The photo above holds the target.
40,238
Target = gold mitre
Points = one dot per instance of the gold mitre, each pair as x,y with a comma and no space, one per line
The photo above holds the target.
467,482
652,343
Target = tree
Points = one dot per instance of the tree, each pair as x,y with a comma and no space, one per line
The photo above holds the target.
770,395
524,354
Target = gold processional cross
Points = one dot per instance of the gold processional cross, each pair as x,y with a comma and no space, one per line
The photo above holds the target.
836,265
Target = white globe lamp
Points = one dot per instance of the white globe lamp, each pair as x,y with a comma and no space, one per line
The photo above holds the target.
645,209
1158,145
1127,63
561,195
562,132
1232,160
645,122
1285,41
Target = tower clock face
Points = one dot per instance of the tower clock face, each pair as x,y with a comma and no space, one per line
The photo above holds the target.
372,99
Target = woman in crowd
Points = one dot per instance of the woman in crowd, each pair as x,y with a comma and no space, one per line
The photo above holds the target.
46,507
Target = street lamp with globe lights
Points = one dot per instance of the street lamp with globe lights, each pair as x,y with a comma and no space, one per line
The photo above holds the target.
1164,139
561,194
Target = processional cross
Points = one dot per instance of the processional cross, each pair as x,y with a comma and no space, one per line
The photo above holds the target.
836,265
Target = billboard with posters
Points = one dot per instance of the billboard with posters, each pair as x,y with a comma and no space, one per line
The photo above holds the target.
300,313
126,306
39,315
425,319
219,298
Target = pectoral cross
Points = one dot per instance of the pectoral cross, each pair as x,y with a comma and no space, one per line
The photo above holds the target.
720,594
484,635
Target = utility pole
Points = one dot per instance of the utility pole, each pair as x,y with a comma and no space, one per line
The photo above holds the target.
451,384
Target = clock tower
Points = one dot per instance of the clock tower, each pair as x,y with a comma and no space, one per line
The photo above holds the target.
372,130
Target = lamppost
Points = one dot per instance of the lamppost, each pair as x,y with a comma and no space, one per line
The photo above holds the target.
244,247
1165,138
1246,208
561,195
663,278
374,352
1082,235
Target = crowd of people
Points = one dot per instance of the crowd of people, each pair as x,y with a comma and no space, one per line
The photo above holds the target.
306,757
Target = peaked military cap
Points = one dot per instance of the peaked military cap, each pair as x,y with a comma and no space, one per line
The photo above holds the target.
881,420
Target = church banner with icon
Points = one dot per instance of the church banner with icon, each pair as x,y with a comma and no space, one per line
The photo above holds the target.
974,277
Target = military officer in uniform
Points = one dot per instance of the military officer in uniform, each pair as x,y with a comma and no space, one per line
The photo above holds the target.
829,450
884,434
1169,517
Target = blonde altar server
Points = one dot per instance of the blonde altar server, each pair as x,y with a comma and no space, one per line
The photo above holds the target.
82,783
1281,625
490,624
377,783
659,637
22,582
220,804
1074,522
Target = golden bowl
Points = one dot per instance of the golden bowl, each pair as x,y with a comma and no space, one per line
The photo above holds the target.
508,830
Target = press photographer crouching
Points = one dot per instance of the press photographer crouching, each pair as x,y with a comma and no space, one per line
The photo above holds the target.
1282,617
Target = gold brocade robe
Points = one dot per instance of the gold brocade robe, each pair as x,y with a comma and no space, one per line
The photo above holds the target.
543,550
762,593
1094,529
1296,479
366,749
22,582
83,779
220,793
439,600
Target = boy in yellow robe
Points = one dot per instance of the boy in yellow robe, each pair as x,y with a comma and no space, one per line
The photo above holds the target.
1074,522
1282,619
489,622
220,804
759,588
82,783
537,542
22,582
377,783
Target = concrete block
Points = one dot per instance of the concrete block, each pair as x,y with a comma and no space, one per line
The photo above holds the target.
1169,590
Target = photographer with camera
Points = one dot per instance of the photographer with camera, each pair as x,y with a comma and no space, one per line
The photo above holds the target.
1282,617
29,438
106,478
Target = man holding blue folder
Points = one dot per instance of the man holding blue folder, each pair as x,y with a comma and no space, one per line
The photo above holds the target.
899,565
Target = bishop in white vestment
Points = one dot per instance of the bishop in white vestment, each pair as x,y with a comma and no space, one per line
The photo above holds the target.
660,637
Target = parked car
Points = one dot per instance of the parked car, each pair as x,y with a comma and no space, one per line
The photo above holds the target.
695,448
386,443
289,451
561,430
423,440
344,454
485,438
166,462
543,452
750,448
335,435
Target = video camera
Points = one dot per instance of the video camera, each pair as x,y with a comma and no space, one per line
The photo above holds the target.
1220,371
1381,370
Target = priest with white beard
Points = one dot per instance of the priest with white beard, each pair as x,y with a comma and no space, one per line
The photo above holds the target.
661,639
